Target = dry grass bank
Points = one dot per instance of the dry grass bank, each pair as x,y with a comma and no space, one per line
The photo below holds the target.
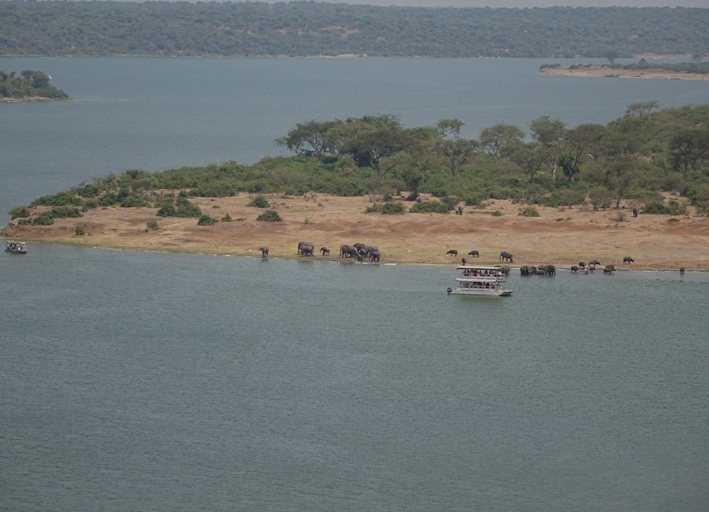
598,71
561,236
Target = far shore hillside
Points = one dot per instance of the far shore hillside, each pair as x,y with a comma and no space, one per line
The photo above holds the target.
560,236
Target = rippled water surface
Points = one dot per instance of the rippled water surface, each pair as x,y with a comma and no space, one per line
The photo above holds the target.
155,381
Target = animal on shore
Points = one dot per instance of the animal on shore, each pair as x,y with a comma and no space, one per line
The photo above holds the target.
524,270
374,256
582,264
452,252
681,270
609,269
264,252
506,256
635,211
325,251
592,264
574,268
474,254
464,262
459,210
628,260
302,246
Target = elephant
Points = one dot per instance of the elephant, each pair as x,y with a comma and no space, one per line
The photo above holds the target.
353,253
325,251
303,245
307,251
628,260
635,211
524,270
505,269
574,268
506,256
459,210
344,250
540,273
474,254
374,255
371,249
264,252
550,270
452,252
681,270
532,270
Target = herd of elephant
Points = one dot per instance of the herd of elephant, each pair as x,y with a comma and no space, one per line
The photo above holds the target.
359,252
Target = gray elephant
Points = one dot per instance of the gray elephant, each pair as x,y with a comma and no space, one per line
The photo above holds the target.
325,251
506,256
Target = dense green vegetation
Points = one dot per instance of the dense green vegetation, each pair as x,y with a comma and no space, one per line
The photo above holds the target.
308,28
636,157
30,84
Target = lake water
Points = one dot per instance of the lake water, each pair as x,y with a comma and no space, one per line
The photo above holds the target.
175,382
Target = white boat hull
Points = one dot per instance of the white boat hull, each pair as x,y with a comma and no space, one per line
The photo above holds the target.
481,293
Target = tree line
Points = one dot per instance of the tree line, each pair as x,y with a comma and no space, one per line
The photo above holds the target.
636,157
311,29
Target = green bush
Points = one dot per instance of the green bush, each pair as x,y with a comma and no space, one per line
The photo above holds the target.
226,218
269,216
167,210
59,212
134,202
153,224
429,206
206,220
530,211
656,208
23,222
375,208
43,219
80,230
18,212
393,209
59,199
187,209
497,213
259,202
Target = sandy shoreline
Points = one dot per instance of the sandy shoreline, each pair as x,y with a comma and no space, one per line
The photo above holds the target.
598,71
560,236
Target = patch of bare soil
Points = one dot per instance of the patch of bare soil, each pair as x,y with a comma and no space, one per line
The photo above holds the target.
562,237
598,71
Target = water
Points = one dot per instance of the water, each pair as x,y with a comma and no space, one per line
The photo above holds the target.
154,381
156,114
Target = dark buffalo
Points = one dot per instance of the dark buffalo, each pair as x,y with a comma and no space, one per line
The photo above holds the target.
474,254
453,252
264,252
628,260
681,270
574,268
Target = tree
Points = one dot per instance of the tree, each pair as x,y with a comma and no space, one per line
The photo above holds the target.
577,143
641,110
497,137
312,134
688,148
697,57
611,54
529,157
617,174
454,150
549,133
39,80
448,126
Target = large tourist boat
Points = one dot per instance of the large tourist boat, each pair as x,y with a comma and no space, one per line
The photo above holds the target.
16,248
480,281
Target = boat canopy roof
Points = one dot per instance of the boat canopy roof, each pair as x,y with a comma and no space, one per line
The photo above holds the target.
478,267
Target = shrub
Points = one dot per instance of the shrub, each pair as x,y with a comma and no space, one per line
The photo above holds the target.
59,199
134,202
80,230
530,211
393,209
600,197
429,206
259,202
167,210
206,220
153,224
59,212
673,219
656,208
497,213
618,216
375,208
226,218
22,222
269,216
20,211
43,219
108,199
91,204
187,209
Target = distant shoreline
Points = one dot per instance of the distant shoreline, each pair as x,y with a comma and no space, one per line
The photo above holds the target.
606,72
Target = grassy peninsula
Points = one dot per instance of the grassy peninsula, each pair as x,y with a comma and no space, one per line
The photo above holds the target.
29,86
637,187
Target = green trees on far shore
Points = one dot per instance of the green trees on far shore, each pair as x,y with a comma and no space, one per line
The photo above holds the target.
30,84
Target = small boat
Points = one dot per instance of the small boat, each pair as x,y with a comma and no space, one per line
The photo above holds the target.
16,248
480,281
